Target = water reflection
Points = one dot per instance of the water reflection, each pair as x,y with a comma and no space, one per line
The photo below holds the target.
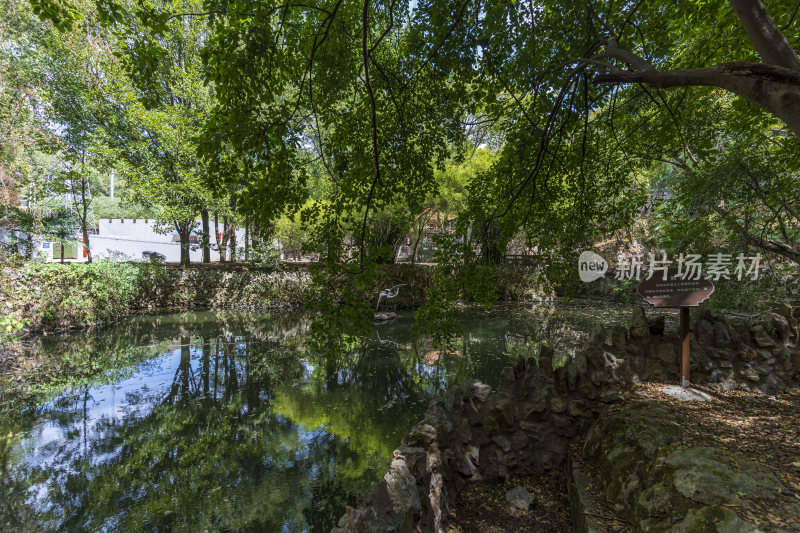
235,425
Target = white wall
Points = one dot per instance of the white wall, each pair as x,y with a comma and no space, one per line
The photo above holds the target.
127,239
141,229
126,249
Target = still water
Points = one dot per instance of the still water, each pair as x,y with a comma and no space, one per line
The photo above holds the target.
220,420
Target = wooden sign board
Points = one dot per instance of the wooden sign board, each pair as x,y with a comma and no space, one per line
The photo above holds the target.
675,292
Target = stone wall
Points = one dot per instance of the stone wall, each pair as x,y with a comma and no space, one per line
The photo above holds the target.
528,423
758,351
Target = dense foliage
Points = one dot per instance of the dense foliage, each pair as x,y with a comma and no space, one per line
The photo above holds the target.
362,131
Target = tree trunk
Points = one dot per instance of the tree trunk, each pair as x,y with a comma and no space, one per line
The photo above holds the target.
423,223
206,369
491,249
218,236
206,237
230,228
247,238
183,232
223,244
84,219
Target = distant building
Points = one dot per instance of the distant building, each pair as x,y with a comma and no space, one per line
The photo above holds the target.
132,240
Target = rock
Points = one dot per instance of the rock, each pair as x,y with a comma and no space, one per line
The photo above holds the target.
584,505
597,336
504,410
704,331
686,394
763,370
546,360
421,435
520,366
507,380
454,399
533,410
663,352
402,487
746,353
795,358
594,355
494,462
646,427
782,328
657,326
720,519
414,458
480,391
785,310
722,336
520,499
464,431
633,349
503,442
558,404
765,354
464,465
383,317
750,374
490,425
761,337
392,505
640,329
619,338
576,407
705,476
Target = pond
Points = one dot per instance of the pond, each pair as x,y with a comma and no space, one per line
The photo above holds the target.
220,420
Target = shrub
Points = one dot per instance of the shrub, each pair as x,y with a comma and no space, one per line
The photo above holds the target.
78,294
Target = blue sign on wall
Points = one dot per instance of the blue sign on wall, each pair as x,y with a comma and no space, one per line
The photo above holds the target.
45,245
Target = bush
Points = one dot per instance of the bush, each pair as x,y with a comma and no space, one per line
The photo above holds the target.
265,254
749,296
11,326
79,294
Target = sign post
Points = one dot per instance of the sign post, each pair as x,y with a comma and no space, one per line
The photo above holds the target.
669,290
686,338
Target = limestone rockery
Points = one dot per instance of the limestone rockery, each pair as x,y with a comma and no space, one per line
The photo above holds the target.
528,423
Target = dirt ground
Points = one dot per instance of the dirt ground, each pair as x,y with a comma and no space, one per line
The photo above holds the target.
763,428
481,507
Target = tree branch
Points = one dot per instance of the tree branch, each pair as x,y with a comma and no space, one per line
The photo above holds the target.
770,43
771,87
374,120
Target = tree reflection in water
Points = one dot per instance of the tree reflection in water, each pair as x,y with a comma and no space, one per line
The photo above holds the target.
236,425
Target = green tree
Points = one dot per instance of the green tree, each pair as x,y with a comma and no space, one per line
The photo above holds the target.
21,123
163,171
